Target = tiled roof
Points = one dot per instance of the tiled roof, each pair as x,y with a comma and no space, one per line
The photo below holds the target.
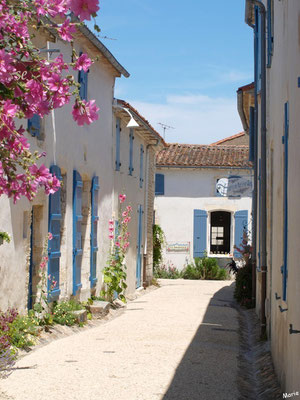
228,139
193,155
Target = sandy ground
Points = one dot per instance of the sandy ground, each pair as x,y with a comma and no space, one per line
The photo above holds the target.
179,342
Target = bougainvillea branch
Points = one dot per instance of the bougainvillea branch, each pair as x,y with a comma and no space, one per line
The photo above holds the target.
32,85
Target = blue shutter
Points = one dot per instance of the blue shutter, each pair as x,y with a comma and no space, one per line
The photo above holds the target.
284,268
94,229
251,134
259,215
34,126
141,166
118,132
270,32
159,184
257,49
139,248
241,223
131,137
200,233
77,234
83,80
54,225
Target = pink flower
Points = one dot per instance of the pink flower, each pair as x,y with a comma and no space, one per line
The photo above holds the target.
65,30
84,8
111,222
124,213
129,208
83,63
126,245
111,236
42,265
117,244
50,236
85,112
122,198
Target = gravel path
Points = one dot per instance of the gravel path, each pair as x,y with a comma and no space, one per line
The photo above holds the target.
177,342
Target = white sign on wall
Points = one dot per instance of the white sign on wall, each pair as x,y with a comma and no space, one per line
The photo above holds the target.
235,186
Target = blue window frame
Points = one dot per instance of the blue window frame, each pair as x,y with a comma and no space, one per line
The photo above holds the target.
131,137
94,229
257,50
118,134
141,166
34,126
159,184
270,36
285,140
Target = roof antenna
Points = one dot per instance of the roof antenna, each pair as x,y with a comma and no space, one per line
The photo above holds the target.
164,126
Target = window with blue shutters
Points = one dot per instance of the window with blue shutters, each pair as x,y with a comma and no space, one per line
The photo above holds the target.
141,166
285,140
131,137
54,227
270,34
77,232
257,49
83,81
34,126
241,226
94,229
200,233
251,134
159,184
118,134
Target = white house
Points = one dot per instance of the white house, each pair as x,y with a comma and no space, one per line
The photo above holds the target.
203,200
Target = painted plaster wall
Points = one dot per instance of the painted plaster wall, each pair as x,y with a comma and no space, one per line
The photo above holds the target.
283,86
89,151
189,189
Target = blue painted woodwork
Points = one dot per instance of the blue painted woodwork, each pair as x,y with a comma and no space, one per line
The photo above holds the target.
200,233
34,126
159,184
285,202
141,166
257,50
251,133
131,137
83,80
241,223
94,229
29,300
259,215
118,133
77,234
270,37
139,248
54,226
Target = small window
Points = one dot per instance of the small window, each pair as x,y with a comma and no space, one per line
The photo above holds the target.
131,137
34,126
159,184
220,232
141,165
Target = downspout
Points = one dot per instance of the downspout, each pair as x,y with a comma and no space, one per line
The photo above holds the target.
263,211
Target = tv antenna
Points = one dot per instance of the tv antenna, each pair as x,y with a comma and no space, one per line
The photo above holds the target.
164,126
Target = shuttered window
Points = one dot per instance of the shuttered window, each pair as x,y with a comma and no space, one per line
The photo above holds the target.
285,140
83,81
159,184
94,229
77,232
200,233
54,227
34,126
118,134
141,166
241,224
131,137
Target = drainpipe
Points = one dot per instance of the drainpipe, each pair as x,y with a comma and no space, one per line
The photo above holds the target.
263,211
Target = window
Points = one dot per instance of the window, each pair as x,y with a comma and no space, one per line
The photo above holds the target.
141,165
83,80
220,222
118,133
159,184
131,137
34,126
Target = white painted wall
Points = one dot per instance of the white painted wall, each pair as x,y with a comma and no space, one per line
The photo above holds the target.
187,189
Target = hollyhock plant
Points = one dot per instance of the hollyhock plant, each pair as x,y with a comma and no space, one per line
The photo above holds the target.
32,85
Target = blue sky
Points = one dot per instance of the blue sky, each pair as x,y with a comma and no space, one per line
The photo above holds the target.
186,60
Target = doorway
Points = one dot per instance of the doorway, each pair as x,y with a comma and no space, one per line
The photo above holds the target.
220,224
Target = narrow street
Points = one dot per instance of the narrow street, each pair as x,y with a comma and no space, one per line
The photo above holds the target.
177,342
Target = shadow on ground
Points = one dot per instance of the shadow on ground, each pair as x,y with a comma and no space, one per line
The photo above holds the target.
209,368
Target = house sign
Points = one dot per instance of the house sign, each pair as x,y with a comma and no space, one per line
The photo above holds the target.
235,186
176,247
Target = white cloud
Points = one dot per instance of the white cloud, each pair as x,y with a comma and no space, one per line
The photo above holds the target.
197,119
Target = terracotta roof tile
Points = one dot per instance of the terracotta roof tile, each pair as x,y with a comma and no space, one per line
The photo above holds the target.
191,155
228,139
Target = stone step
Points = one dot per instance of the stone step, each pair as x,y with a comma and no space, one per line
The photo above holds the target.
81,316
99,308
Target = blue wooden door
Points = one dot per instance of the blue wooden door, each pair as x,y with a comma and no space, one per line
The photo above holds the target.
241,223
54,226
77,234
200,233
139,248
94,229
29,300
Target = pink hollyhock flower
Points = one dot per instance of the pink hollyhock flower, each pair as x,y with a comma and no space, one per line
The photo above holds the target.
42,265
111,228
50,236
111,236
122,198
85,112
111,222
83,63
126,245
118,244
84,8
65,31
129,208
124,213
10,109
